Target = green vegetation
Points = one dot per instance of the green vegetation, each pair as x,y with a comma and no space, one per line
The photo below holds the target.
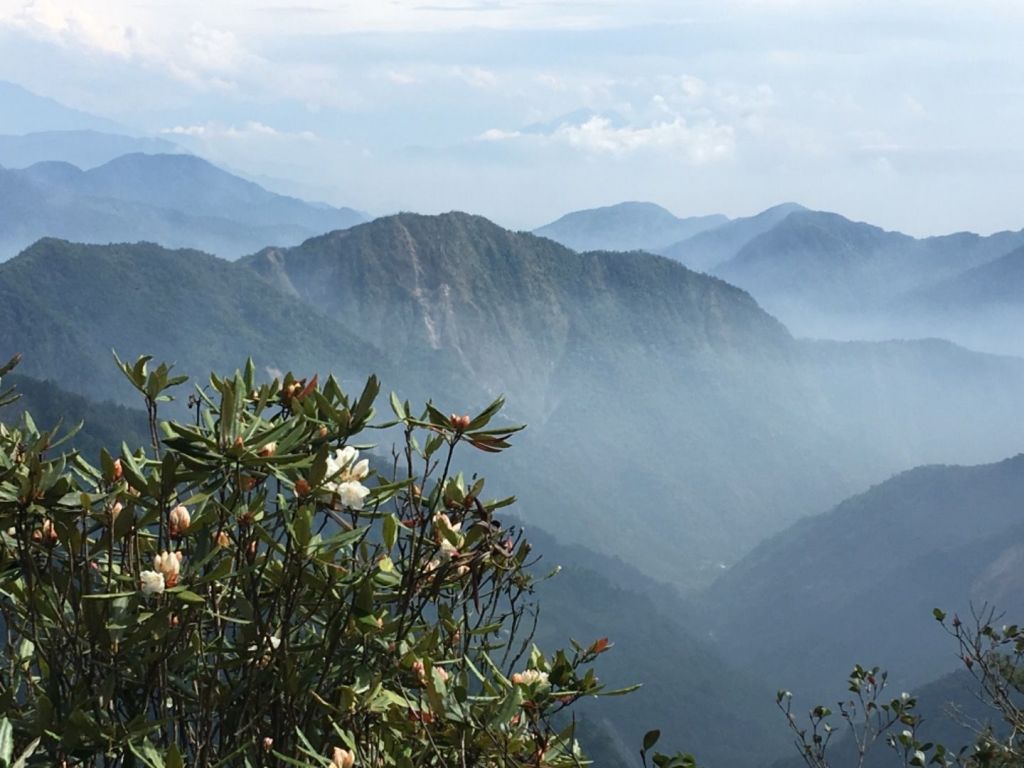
244,593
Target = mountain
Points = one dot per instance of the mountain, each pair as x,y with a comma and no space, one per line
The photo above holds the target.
673,422
83,148
706,250
859,583
625,227
22,111
65,306
176,200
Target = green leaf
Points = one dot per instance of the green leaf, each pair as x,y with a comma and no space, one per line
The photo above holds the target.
187,596
507,708
651,738
173,759
29,751
6,743
390,531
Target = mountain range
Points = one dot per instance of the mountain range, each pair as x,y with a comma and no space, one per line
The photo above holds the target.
640,379
178,200
826,276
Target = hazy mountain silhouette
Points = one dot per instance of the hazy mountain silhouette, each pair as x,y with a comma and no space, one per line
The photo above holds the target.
177,200
625,227
706,250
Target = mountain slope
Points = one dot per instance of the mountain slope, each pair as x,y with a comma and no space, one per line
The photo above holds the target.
625,227
859,583
706,250
65,306
177,200
82,148
508,309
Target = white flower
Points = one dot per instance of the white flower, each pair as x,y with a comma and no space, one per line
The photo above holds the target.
152,582
344,471
352,494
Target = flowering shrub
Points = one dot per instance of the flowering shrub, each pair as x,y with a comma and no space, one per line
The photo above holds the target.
248,591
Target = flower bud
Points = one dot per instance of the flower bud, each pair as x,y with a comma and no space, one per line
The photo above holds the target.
460,423
302,487
115,510
48,534
168,564
179,520
118,470
268,450
222,540
268,743
342,758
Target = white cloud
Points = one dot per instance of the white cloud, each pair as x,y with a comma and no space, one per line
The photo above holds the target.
248,130
497,134
699,144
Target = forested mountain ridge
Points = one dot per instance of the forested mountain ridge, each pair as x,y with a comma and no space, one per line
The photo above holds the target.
66,305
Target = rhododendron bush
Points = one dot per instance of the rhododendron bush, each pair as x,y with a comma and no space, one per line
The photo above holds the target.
256,587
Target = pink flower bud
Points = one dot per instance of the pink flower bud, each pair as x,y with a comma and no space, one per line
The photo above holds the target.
179,520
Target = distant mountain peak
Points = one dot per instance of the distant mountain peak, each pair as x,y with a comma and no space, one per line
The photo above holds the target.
626,226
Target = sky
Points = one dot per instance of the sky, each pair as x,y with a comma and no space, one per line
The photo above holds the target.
906,114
